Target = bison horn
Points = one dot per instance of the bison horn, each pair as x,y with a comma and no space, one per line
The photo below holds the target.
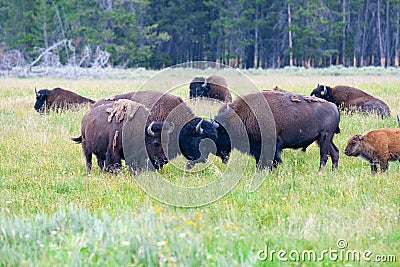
149,129
398,119
213,122
325,91
199,130
36,92
205,83
171,127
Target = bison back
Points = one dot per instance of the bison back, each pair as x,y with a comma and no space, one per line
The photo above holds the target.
219,88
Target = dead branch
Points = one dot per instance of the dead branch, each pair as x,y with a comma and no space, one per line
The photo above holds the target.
46,51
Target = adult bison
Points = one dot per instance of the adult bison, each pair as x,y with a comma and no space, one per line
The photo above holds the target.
189,130
102,133
377,147
352,99
214,86
299,121
58,99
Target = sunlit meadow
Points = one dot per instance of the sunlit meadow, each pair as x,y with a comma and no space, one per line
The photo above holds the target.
53,214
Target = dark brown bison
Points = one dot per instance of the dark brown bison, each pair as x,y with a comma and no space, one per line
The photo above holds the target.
377,147
58,99
214,86
299,121
189,130
103,128
352,99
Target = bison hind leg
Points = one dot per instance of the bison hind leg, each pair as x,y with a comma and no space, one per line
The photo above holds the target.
88,163
324,142
334,153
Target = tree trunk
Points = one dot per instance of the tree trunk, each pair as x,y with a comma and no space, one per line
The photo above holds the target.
256,41
396,52
290,38
344,33
364,33
381,53
387,35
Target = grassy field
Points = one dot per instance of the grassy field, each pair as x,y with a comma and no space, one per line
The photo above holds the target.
53,214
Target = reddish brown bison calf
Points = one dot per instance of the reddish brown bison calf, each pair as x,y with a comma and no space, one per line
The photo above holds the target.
377,146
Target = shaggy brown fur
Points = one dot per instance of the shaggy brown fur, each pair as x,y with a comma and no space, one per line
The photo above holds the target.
299,121
219,88
352,99
377,146
101,134
59,99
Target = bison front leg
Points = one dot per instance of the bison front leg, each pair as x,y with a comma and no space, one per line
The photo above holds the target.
374,168
113,162
384,165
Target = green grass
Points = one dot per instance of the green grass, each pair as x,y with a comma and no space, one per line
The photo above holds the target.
53,214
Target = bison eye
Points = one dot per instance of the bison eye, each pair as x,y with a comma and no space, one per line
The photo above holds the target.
156,144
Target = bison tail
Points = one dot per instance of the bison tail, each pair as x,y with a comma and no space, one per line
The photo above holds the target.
78,140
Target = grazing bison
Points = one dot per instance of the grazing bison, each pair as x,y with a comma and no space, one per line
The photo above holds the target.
214,86
102,134
58,99
352,99
377,146
299,121
189,130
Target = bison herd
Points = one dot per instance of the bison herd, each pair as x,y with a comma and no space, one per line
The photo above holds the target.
149,128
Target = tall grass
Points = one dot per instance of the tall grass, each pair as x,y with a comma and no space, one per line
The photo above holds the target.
53,214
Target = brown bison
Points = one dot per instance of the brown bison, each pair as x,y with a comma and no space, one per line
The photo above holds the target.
189,130
214,86
299,121
103,129
58,99
352,99
377,146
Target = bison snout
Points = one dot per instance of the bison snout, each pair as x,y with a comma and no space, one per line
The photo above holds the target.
160,162
348,152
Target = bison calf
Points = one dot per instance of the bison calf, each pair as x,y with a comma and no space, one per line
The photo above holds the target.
377,146
58,99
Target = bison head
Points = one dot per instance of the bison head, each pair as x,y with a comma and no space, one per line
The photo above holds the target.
153,138
354,146
224,146
41,99
199,87
196,140
324,92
